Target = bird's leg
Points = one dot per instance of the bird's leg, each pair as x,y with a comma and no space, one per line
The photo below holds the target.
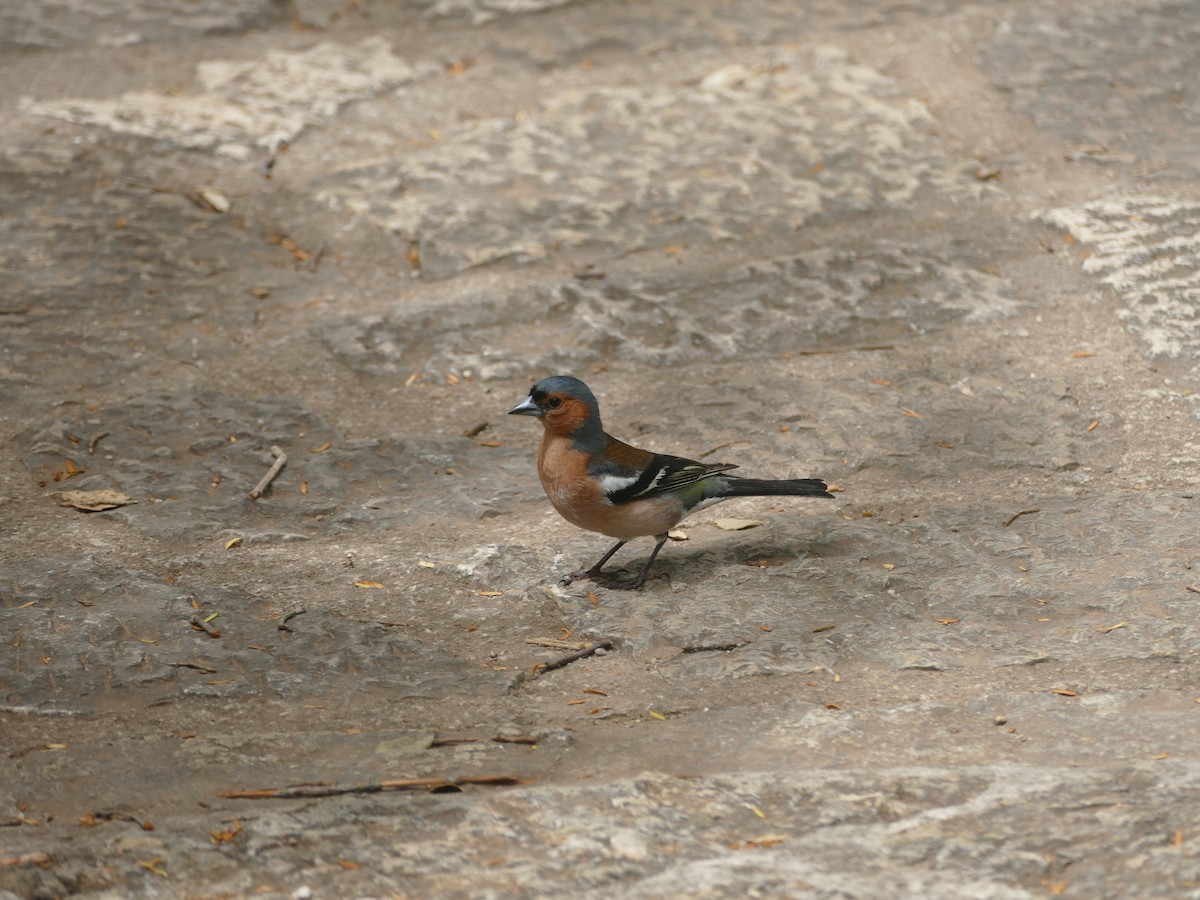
594,571
641,579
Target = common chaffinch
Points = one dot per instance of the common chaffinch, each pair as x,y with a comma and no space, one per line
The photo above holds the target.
601,484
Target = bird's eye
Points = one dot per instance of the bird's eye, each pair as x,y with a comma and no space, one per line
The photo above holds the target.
554,403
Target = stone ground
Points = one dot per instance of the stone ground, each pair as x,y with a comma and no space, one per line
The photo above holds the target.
944,255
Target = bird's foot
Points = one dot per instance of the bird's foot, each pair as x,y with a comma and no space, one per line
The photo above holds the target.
583,575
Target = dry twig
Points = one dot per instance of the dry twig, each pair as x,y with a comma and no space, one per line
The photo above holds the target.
200,625
1018,514
561,661
280,462
824,351
373,787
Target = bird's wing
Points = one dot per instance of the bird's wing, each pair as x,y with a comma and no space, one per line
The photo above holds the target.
662,475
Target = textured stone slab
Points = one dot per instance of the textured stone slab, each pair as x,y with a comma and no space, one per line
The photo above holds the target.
243,107
816,300
1147,249
870,833
773,142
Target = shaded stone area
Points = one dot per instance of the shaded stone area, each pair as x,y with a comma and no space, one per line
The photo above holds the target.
121,274
1132,106
183,640
191,459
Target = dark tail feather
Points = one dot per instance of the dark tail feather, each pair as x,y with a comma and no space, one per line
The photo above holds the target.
761,487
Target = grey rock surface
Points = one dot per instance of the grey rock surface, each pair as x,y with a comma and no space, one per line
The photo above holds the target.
942,255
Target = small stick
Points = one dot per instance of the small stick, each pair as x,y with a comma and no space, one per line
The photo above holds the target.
200,625
280,462
1018,514
373,787
561,661
498,739
283,624
556,644
197,666
519,739
722,447
822,351
94,441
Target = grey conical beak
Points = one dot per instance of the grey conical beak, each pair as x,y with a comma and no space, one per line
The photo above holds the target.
525,408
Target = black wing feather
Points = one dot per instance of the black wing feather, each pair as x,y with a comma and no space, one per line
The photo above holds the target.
666,474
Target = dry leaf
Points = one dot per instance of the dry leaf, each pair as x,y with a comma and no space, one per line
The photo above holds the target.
948,621
222,837
1063,692
736,524
1112,627
911,413
232,542
767,840
93,501
1092,424
368,584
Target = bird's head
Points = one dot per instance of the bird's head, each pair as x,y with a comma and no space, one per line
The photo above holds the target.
564,404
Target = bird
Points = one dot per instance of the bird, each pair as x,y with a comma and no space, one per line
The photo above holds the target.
601,484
